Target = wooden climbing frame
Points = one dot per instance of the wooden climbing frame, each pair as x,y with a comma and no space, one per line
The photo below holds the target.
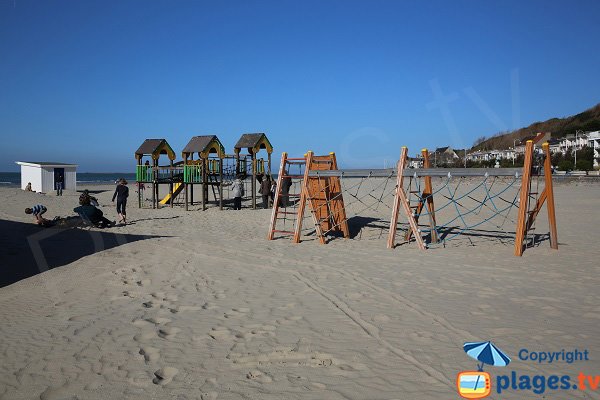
400,200
526,216
323,194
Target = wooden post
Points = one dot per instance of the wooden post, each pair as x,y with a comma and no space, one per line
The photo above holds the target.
269,163
338,209
253,180
302,203
396,206
192,185
524,199
428,193
204,163
138,172
273,222
153,183
220,183
185,179
171,184
550,196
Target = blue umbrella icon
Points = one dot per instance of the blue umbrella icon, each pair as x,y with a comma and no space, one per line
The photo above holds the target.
487,353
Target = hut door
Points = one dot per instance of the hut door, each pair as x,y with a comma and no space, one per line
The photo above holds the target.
58,174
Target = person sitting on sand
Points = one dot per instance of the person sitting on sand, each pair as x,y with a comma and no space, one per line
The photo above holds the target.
87,198
94,215
38,212
28,187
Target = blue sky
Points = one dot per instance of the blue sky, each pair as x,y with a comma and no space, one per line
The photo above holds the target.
88,81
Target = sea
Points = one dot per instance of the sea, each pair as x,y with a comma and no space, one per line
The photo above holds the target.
83,178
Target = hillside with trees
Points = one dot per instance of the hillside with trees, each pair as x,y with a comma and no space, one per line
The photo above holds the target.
589,120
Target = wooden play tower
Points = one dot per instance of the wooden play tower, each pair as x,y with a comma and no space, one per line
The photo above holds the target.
149,171
206,171
253,143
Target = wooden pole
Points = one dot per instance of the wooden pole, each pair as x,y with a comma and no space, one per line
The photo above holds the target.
550,196
524,199
204,163
192,179
396,206
153,183
171,184
302,204
429,194
220,183
185,180
253,186
138,172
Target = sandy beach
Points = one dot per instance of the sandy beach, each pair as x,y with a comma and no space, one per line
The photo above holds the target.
199,305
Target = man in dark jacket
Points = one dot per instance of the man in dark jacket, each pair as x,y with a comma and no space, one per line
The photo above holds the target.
94,215
265,190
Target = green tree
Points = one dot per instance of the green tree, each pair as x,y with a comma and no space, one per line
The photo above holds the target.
584,165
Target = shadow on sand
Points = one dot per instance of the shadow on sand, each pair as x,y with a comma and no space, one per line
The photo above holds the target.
27,250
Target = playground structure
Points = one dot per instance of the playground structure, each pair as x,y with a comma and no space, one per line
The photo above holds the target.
206,171
253,143
150,172
472,203
213,169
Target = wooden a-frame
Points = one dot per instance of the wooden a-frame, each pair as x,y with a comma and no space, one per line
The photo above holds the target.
527,217
427,194
324,197
401,200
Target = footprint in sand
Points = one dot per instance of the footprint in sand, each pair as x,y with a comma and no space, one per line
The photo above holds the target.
221,333
168,332
164,375
258,376
158,320
150,353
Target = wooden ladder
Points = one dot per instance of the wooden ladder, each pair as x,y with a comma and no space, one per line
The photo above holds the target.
278,204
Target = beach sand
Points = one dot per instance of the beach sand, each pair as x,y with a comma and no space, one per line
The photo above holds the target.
199,305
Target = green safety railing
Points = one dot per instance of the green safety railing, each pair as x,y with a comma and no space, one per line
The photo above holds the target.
143,173
192,173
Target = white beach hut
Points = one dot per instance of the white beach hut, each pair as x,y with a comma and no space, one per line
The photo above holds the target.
43,175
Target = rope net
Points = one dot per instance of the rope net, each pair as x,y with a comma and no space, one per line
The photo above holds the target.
467,209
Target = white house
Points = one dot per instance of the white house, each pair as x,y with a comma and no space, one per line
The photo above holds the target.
594,143
42,175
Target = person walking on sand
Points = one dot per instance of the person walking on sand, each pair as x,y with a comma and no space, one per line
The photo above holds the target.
237,189
121,194
265,190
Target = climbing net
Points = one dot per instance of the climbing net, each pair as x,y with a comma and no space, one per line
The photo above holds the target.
466,206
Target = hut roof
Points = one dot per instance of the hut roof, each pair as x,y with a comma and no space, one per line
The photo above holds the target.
204,146
154,148
253,142
45,164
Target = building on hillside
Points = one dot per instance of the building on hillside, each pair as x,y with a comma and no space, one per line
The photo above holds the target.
415,162
443,155
594,143
43,175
